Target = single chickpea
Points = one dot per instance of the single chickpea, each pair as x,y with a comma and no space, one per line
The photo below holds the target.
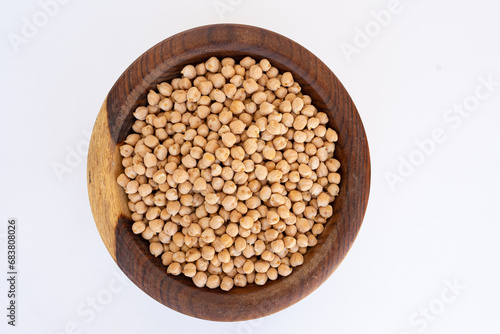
189,270
305,184
228,71
229,188
300,122
248,267
180,176
243,193
334,178
237,127
126,150
271,235
266,108
193,94
261,172
227,283
237,166
274,176
317,229
229,203
277,246
123,180
247,222
226,241
138,227
156,225
261,266
255,72
132,187
174,268
207,253
289,242
240,244
153,98
250,86
284,270
237,80
212,198
287,79
260,278
274,128
269,152
302,240
200,279
179,96
228,139
141,113
273,84
202,264
240,280
276,200
213,281
272,217
326,211
272,274
179,257
218,80
296,259
265,193
323,199
166,258
213,65
299,136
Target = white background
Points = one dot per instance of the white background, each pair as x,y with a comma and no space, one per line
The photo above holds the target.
440,225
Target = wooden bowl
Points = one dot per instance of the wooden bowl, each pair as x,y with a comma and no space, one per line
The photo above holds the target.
108,201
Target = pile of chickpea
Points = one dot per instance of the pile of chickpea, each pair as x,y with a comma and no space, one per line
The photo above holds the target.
230,173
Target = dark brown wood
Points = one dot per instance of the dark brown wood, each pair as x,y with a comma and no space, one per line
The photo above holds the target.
164,62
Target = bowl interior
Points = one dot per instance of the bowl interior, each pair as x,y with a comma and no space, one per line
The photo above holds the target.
174,72
163,63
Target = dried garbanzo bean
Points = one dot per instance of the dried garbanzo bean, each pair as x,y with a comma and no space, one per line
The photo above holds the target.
230,173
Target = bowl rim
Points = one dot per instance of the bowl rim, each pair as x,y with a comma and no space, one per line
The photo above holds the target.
129,91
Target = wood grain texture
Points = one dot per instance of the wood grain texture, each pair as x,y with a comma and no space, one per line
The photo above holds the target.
107,201
164,62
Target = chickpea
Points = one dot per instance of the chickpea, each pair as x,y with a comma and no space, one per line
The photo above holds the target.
240,280
213,65
200,279
289,242
247,222
155,248
272,274
284,270
229,203
248,267
213,281
189,270
296,259
153,98
323,199
227,283
207,252
166,258
228,139
237,127
230,173
180,176
174,268
138,227
260,278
